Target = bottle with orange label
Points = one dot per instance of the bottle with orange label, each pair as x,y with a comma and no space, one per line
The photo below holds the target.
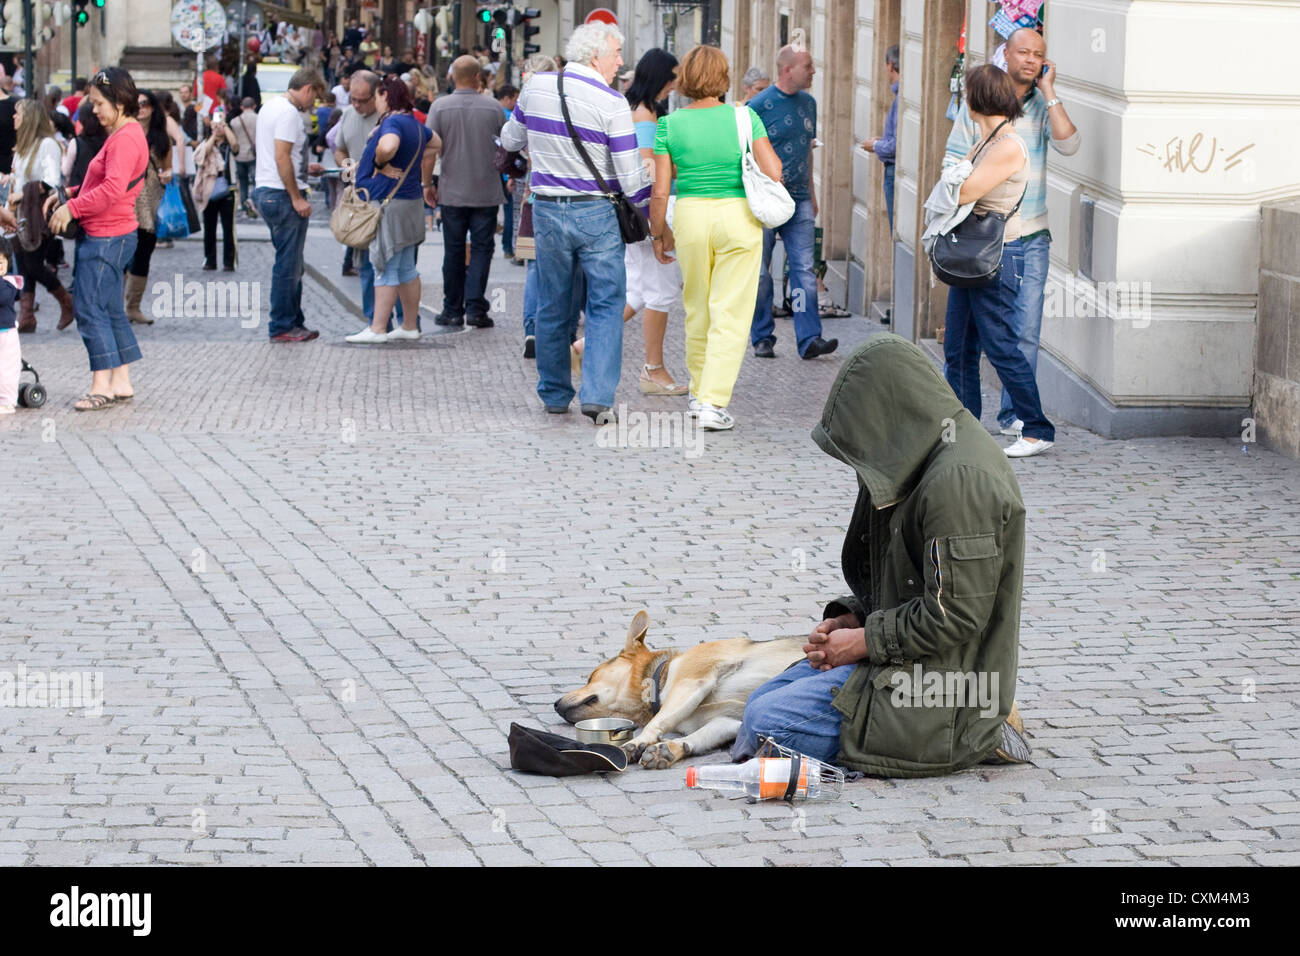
770,778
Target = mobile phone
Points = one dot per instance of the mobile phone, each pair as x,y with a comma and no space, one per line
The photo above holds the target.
219,116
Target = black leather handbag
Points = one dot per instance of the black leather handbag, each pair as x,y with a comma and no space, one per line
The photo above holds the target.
970,254
631,224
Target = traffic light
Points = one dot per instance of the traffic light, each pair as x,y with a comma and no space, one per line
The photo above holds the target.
99,4
527,15
82,17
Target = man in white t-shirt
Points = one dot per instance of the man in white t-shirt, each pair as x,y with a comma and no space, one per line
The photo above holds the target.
280,200
342,91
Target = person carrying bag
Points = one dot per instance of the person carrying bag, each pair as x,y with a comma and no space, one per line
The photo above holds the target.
632,226
769,200
355,220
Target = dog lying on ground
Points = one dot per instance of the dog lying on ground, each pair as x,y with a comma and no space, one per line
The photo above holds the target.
699,692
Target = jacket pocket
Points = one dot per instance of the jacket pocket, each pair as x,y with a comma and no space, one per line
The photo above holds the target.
900,724
975,565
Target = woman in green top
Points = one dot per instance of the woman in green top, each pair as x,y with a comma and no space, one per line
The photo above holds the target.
718,240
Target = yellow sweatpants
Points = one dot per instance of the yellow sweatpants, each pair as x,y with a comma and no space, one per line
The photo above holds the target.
720,248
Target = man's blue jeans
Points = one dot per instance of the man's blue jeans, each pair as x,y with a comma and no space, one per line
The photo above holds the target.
288,236
531,293
97,300
984,318
368,290
889,193
798,236
582,234
508,226
464,288
794,708
1029,311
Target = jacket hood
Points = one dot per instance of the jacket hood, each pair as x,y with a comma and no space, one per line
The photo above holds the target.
885,414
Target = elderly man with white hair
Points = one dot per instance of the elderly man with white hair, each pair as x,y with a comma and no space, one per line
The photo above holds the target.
574,225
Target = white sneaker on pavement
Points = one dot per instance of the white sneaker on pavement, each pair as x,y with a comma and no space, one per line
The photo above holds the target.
1023,448
715,419
404,334
367,336
1014,429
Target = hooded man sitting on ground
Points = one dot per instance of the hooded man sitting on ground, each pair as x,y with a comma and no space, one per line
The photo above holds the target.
914,673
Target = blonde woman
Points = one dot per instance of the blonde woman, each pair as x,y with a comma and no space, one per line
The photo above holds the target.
38,160
717,240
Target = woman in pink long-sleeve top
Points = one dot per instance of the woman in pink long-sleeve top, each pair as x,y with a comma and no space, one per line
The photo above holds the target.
105,208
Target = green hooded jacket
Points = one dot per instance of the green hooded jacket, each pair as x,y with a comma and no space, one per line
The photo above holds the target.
934,557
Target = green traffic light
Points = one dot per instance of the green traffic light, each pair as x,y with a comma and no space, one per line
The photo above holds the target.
82,18
99,3
484,15
500,33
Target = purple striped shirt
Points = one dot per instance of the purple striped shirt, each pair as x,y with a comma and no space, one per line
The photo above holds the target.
602,120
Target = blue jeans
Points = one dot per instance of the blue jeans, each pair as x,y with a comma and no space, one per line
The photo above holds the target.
985,318
97,300
576,300
798,236
571,237
464,288
288,236
794,708
508,227
1029,310
889,193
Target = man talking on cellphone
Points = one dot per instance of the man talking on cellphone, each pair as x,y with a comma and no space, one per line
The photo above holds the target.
1044,121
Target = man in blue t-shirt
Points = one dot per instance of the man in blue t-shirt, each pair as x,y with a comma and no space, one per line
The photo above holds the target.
789,113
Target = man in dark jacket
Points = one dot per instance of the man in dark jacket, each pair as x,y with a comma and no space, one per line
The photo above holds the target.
914,673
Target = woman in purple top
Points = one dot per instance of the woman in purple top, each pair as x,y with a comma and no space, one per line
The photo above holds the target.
396,161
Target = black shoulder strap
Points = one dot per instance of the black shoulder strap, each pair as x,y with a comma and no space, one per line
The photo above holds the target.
989,140
577,143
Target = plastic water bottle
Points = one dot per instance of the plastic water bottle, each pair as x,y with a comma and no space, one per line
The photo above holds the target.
768,778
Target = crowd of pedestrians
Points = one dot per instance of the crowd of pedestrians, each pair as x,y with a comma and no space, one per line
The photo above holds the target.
472,155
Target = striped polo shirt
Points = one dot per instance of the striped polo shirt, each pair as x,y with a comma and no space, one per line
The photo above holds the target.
603,121
1036,131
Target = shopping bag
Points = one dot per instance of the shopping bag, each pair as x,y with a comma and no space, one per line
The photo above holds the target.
171,220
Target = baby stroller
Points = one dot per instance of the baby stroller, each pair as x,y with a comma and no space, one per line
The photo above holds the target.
31,394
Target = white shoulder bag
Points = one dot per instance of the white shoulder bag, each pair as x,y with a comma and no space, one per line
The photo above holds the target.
768,199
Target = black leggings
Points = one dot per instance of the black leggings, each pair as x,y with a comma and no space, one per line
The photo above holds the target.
225,209
33,267
144,243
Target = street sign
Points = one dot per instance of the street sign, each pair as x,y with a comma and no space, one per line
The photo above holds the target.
244,11
602,15
198,25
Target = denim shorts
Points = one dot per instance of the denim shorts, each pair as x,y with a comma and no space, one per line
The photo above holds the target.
400,269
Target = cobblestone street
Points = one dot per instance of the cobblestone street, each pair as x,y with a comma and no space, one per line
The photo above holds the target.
321,580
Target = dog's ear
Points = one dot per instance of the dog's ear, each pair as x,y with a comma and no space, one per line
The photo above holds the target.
636,630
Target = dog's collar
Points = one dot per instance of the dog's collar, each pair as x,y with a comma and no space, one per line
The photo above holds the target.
654,684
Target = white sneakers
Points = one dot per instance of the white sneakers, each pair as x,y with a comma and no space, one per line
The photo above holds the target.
368,336
1014,429
714,419
1025,449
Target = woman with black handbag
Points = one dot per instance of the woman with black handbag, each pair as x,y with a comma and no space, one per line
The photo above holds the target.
984,316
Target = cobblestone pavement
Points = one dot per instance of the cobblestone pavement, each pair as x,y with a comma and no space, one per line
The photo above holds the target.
320,581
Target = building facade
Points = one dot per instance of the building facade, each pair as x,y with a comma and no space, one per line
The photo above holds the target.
1150,322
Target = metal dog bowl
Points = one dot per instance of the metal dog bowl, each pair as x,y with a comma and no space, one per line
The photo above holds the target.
605,730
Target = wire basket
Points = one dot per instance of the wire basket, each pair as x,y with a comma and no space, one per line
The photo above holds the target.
810,778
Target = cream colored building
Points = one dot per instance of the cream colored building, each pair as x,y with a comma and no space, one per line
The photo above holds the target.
1190,118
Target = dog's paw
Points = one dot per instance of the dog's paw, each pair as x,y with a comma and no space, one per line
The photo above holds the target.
633,749
662,755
